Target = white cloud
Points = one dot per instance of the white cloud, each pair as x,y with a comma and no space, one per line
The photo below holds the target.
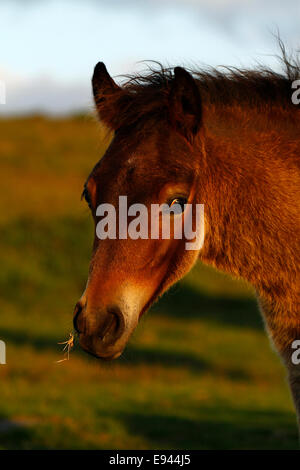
43,94
52,46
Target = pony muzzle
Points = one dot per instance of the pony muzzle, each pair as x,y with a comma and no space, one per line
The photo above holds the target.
103,333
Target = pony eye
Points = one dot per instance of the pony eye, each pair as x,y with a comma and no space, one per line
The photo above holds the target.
180,203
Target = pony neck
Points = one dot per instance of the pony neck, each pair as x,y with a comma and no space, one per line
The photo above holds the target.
250,211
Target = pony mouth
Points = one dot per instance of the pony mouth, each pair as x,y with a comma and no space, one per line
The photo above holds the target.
93,346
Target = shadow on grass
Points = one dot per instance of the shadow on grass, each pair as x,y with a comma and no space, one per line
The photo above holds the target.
238,429
21,338
131,356
212,428
185,302
174,359
20,438
13,433
182,302
141,355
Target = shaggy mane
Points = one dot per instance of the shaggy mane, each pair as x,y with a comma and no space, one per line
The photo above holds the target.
146,95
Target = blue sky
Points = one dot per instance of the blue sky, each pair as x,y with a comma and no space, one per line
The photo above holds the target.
49,47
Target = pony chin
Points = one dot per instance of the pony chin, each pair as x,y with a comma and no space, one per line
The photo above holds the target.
92,345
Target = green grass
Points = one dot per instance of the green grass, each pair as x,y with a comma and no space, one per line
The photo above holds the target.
199,371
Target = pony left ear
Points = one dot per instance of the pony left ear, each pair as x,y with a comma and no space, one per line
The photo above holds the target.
185,104
104,90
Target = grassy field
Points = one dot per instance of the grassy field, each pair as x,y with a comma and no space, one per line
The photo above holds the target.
199,372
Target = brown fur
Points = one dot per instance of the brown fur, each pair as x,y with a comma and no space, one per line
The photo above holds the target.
233,141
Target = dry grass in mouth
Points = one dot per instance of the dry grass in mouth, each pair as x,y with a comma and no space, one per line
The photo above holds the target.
68,346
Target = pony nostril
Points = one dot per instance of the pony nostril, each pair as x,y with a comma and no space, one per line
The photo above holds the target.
113,326
77,312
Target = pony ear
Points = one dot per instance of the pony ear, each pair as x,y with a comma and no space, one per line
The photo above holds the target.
104,90
185,104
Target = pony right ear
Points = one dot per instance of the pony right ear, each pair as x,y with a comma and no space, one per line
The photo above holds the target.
105,90
185,104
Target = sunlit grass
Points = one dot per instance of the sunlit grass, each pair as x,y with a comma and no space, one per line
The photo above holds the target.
199,371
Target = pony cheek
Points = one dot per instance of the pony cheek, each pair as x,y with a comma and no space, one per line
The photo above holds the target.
179,265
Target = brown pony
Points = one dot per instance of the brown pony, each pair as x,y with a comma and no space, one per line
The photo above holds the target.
229,140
